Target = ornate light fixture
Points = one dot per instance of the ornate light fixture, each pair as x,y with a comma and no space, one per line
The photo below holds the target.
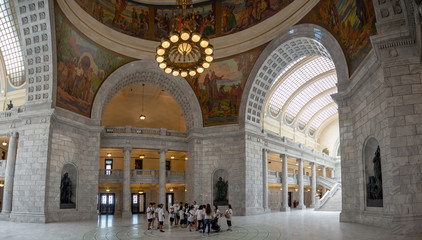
142,116
108,154
184,52
172,157
142,156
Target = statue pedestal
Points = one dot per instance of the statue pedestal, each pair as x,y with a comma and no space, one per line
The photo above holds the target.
221,203
67,205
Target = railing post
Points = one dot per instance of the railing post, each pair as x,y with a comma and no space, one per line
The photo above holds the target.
128,129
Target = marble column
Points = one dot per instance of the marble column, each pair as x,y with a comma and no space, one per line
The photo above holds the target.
9,176
162,179
301,204
332,172
285,191
126,213
324,174
265,179
313,184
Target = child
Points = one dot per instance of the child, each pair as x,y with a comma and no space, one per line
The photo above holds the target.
191,218
228,216
171,215
161,216
182,216
199,214
149,215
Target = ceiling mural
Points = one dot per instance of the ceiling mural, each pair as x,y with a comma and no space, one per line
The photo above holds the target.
351,22
241,14
81,67
210,18
219,88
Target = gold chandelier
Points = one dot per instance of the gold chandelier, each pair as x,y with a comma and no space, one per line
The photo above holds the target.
184,52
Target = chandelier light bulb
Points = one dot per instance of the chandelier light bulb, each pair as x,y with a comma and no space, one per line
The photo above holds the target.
196,37
184,73
200,69
160,51
209,50
4,143
162,65
159,59
192,72
174,37
175,72
209,58
142,117
204,42
168,70
108,154
205,64
165,42
184,34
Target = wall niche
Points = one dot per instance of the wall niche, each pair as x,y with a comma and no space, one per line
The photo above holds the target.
373,174
68,186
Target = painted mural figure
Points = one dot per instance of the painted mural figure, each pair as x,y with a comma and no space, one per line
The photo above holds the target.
214,88
229,19
262,6
134,23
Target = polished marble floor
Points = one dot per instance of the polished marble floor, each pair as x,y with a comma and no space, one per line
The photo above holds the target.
293,225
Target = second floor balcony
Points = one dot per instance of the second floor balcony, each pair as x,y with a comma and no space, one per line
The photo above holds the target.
140,176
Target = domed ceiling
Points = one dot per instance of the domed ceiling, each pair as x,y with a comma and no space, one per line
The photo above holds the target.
109,33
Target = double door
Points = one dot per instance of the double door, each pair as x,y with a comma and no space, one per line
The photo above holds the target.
138,203
107,203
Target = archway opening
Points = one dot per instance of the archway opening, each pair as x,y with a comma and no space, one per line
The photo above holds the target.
158,106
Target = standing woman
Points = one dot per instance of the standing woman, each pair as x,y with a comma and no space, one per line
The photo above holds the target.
228,216
207,218
216,214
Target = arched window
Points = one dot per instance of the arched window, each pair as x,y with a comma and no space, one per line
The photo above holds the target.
10,44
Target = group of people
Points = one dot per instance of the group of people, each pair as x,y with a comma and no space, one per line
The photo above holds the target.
196,217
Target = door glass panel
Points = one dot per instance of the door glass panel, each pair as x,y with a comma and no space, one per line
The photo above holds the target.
135,198
104,199
110,199
141,203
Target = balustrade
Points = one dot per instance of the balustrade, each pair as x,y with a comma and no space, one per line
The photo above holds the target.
144,131
140,175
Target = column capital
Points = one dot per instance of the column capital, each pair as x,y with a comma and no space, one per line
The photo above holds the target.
13,134
165,150
127,148
312,163
283,155
299,160
266,150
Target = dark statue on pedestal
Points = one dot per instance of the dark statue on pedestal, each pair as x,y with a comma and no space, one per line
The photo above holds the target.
374,186
66,192
222,187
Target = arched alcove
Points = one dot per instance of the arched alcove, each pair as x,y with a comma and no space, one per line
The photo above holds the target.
274,60
68,186
158,107
147,72
372,172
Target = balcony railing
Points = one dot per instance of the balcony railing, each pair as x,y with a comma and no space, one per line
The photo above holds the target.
276,177
144,131
141,175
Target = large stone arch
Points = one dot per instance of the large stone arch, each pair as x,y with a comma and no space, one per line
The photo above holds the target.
303,40
148,72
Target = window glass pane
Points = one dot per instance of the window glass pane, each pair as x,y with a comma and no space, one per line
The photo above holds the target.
10,45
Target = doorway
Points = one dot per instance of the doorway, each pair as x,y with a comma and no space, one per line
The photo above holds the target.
290,199
169,200
107,203
138,203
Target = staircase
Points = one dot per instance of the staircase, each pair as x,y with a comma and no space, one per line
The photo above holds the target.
332,204
331,201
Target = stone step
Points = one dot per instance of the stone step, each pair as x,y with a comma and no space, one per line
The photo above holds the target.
334,203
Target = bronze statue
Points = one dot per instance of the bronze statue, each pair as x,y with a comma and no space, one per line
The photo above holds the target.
65,189
377,174
222,188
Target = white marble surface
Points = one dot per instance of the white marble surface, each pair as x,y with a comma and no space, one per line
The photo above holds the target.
297,224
